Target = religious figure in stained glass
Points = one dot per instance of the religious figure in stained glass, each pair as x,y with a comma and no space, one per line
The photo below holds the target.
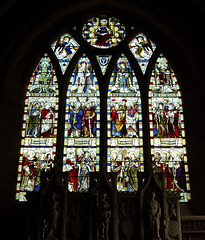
103,32
64,48
41,119
125,150
167,128
38,144
142,48
125,118
80,162
42,81
83,78
82,119
122,79
81,151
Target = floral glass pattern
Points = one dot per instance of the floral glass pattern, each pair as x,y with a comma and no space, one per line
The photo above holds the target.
103,32
168,145
82,124
125,143
38,143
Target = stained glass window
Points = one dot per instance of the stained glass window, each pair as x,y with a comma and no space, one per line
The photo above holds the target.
82,114
64,48
82,124
142,48
103,32
38,143
125,146
168,143
103,62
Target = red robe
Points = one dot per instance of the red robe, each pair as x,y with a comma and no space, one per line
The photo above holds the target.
73,174
43,116
169,178
88,123
176,128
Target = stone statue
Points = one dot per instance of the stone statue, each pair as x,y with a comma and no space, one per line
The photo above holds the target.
104,213
154,215
52,222
126,221
172,211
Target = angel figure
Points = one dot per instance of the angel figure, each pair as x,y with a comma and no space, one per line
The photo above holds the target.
64,47
142,47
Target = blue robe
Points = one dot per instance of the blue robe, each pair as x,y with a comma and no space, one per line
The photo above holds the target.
76,119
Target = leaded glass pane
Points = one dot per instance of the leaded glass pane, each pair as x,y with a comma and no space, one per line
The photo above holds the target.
38,144
103,32
103,61
64,48
125,144
82,126
167,128
142,48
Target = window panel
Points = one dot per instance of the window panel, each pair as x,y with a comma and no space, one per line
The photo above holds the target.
38,143
125,145
82,126
167,127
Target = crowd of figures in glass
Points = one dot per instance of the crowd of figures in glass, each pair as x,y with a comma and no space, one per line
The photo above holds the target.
167,128
103,32
38,144
142,49
125,147
81,146
64,48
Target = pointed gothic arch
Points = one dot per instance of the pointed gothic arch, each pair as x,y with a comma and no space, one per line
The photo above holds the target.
167,131
82,126
39,130
125,133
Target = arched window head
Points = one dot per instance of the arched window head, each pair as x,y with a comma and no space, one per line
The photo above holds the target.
125,147
38,143
82,126
168,145
142,48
